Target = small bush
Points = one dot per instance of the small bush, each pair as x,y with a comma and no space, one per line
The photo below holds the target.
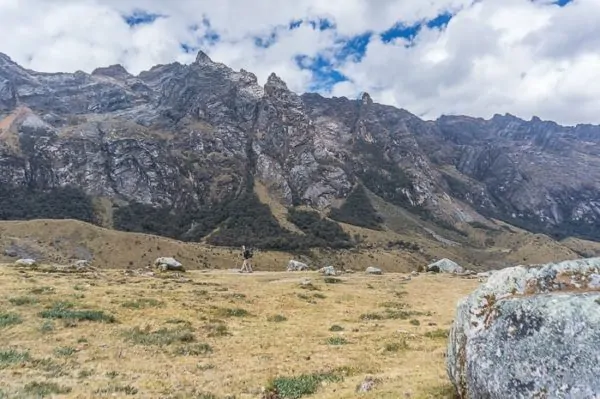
332,280
9,319
23,300
277,318
336,328
319,295
336,341
415,322
161,337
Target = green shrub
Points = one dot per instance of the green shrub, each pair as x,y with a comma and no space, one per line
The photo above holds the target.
357,210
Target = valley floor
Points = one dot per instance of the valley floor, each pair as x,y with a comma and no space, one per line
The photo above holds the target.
110,334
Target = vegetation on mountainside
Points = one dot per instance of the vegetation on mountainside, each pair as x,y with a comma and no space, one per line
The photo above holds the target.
323,232
381,175
358,211
22,203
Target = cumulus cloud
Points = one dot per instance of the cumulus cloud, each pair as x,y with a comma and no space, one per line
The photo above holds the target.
493,56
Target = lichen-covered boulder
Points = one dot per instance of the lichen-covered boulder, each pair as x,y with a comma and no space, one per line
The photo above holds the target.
328,271
26,262
373,270
445,266
295,266
529,333
166,263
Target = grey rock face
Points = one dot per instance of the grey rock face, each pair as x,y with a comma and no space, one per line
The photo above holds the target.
528,332
193,135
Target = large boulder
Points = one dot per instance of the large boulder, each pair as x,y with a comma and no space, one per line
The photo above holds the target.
445,266
529,333
373,270
295,266
328,271
165,264
26,262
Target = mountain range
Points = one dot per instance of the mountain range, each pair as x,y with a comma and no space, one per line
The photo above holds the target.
184,151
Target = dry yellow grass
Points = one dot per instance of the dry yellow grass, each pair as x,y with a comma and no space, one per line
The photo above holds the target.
95,359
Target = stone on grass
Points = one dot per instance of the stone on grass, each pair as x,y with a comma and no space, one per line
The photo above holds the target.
168,264
529,333
328,271
295,266
26,262
373,270
445,266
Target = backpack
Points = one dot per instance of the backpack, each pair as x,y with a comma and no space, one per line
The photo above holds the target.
248,254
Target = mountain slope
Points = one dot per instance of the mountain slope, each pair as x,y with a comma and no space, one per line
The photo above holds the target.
177,151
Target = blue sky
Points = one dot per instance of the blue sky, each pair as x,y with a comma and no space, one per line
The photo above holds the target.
323,69
431,57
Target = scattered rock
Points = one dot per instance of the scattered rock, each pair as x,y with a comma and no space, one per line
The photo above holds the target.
374,270
165,264
81,264
445,266
11,252
295,266
26,262
367,385
414,273
328,271
529,333
305,282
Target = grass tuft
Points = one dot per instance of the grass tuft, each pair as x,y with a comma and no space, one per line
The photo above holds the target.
62,310
117,389
23,300
9,357
231,312
336,341
143,303
277,318
43,389
194,350
303,385
396,346
336,328
332,280
162,337
437,334
65,351
9,319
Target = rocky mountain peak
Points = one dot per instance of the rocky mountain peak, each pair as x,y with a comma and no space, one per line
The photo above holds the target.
275,82
366,99
203,58
114,71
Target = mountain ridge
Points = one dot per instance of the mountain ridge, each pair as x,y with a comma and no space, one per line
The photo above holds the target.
177,145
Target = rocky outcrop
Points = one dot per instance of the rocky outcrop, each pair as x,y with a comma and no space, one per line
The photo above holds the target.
181,142
166,263
529,333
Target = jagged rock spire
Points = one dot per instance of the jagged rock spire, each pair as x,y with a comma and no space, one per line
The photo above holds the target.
203,58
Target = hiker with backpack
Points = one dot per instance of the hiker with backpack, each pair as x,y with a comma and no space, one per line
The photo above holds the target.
247,255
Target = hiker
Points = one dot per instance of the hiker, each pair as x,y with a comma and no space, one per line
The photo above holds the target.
247,254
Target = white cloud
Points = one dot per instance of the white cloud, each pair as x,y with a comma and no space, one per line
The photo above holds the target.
495,56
